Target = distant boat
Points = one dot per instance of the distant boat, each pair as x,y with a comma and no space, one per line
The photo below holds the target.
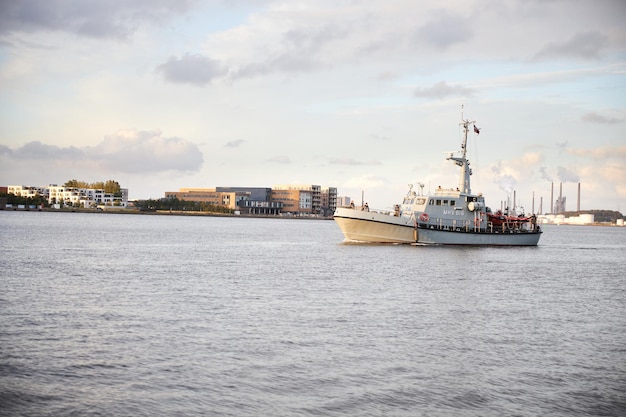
449,216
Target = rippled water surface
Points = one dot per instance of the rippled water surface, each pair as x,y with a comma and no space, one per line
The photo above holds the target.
108,314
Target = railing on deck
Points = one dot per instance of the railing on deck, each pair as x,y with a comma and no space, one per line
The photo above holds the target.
471,226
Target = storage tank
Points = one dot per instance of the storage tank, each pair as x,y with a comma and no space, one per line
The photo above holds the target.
587,218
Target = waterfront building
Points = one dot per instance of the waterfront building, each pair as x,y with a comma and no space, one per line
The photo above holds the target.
27,191
72,196
329,201
209,196
343,201
255,200
297,200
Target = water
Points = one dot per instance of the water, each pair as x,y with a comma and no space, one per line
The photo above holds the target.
107,314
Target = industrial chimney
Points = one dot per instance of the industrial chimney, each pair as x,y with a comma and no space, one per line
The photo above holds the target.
578,200
552,199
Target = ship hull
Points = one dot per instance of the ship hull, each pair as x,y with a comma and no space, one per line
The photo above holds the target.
375,227
364,226
478,238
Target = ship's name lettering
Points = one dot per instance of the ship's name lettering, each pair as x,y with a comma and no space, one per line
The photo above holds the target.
454,212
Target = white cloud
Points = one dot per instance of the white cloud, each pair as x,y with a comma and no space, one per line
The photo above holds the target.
567,175
127,151
442,90
280,159
116,19
235,143
192,69
446,28
587,46
593,117
601,153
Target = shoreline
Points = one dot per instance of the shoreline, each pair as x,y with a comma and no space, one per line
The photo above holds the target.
162,213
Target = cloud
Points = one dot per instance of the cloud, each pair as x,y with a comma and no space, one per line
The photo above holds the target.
287,37
382,138
601,153
561,146
566,175
234,143
530,158
129,151
192,69
352,162
506,174
544,174
586,46
115,19
441,90
280,159
146,151
445,30
503,177
38,151
535,79
597,118
365,182
299,49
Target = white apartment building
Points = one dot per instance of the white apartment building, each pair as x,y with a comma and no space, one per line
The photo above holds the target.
71,196
26,191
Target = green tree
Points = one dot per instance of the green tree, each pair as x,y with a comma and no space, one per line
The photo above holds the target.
76,184
109,187
112,187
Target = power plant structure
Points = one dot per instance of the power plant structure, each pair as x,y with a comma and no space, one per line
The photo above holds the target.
559,206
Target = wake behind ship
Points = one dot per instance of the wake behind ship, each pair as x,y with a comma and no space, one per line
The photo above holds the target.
449,216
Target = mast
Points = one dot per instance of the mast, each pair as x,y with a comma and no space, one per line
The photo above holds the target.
464,177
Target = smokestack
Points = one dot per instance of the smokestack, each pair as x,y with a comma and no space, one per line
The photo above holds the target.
514,200
552,199
533,211
560,207
578,200
540,205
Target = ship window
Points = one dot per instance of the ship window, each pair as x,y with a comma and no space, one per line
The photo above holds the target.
445,202
438,202
431,202
452,203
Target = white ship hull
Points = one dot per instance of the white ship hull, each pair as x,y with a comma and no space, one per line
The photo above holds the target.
365,226
375,227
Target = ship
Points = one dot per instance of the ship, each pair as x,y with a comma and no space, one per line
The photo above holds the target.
447,216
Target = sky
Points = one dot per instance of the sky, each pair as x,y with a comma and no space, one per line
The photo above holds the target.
365,96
